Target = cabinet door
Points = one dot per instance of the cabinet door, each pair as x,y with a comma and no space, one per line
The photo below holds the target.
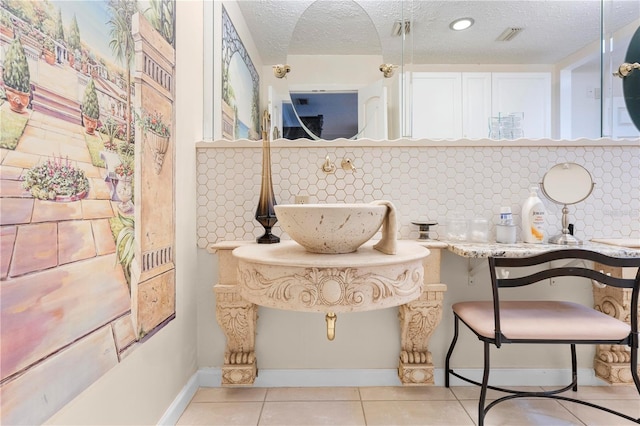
529,93
437,105
476,104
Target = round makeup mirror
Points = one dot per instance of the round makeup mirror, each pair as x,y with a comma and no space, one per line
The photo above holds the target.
566,184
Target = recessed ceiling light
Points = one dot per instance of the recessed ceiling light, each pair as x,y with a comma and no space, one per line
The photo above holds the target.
461,24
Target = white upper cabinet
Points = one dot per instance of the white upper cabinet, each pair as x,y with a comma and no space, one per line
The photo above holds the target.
454,105
476,104
437,105
527,93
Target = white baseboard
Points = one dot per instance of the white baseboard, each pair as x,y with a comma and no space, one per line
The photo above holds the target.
212,377
180,402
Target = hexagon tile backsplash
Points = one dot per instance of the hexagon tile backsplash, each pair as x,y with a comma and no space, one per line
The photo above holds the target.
422,181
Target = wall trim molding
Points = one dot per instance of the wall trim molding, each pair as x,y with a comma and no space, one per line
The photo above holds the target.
212,377
399,143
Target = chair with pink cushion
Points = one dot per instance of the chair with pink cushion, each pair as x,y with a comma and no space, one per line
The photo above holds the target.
497,322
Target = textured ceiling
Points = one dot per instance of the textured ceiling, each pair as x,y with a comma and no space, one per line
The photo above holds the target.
553,29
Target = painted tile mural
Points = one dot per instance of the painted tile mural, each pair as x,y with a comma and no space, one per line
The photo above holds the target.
240,87
86,193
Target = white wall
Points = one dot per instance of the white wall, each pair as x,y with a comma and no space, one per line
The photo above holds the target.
585,114
140,388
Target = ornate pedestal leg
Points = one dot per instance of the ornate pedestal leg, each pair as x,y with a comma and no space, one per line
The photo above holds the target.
611,362
237,318
418,320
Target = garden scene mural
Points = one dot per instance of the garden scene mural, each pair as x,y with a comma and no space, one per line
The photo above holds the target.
86,193
240,87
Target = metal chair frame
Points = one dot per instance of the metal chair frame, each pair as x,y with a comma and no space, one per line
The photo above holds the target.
632,340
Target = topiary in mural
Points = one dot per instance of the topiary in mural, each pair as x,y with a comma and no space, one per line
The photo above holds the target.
16,69
90,106
74,35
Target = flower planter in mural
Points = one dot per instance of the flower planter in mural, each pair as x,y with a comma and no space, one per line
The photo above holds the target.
16,76
56,180
18,101
90,124
68,198
157,134
111,161
90,108
124,189
159,145
49,57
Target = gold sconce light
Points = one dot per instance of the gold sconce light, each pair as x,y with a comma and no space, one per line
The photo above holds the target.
281,70
387,70
626,69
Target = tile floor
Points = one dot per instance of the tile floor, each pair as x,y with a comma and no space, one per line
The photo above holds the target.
339,406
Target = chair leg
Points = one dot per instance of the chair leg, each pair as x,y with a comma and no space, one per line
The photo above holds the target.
450,351
483,388
574,368
634,364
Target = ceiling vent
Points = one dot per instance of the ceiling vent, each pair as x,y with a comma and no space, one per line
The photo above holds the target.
509,34
302,101
401,27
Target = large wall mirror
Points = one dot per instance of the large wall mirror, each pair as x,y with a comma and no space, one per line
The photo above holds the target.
334,86
536,64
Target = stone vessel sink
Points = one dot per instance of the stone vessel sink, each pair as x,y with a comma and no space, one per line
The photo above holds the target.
331,228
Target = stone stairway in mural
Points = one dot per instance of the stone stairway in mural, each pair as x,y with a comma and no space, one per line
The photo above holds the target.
55,255
53,104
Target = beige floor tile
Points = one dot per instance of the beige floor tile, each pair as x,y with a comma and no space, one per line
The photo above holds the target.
299,413
229,395
473,392
593,416
524,412
604,392
441,413
408,393
313,394
221,413
433,405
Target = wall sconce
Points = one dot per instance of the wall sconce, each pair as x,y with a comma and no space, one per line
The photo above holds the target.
281,70
387,70
626,69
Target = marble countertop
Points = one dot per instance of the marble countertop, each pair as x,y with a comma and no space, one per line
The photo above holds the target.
481,250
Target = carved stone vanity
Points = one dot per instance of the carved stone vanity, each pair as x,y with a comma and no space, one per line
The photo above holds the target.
285,276
419,312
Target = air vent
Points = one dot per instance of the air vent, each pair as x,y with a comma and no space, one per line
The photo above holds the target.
509,34
401,27
302,101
